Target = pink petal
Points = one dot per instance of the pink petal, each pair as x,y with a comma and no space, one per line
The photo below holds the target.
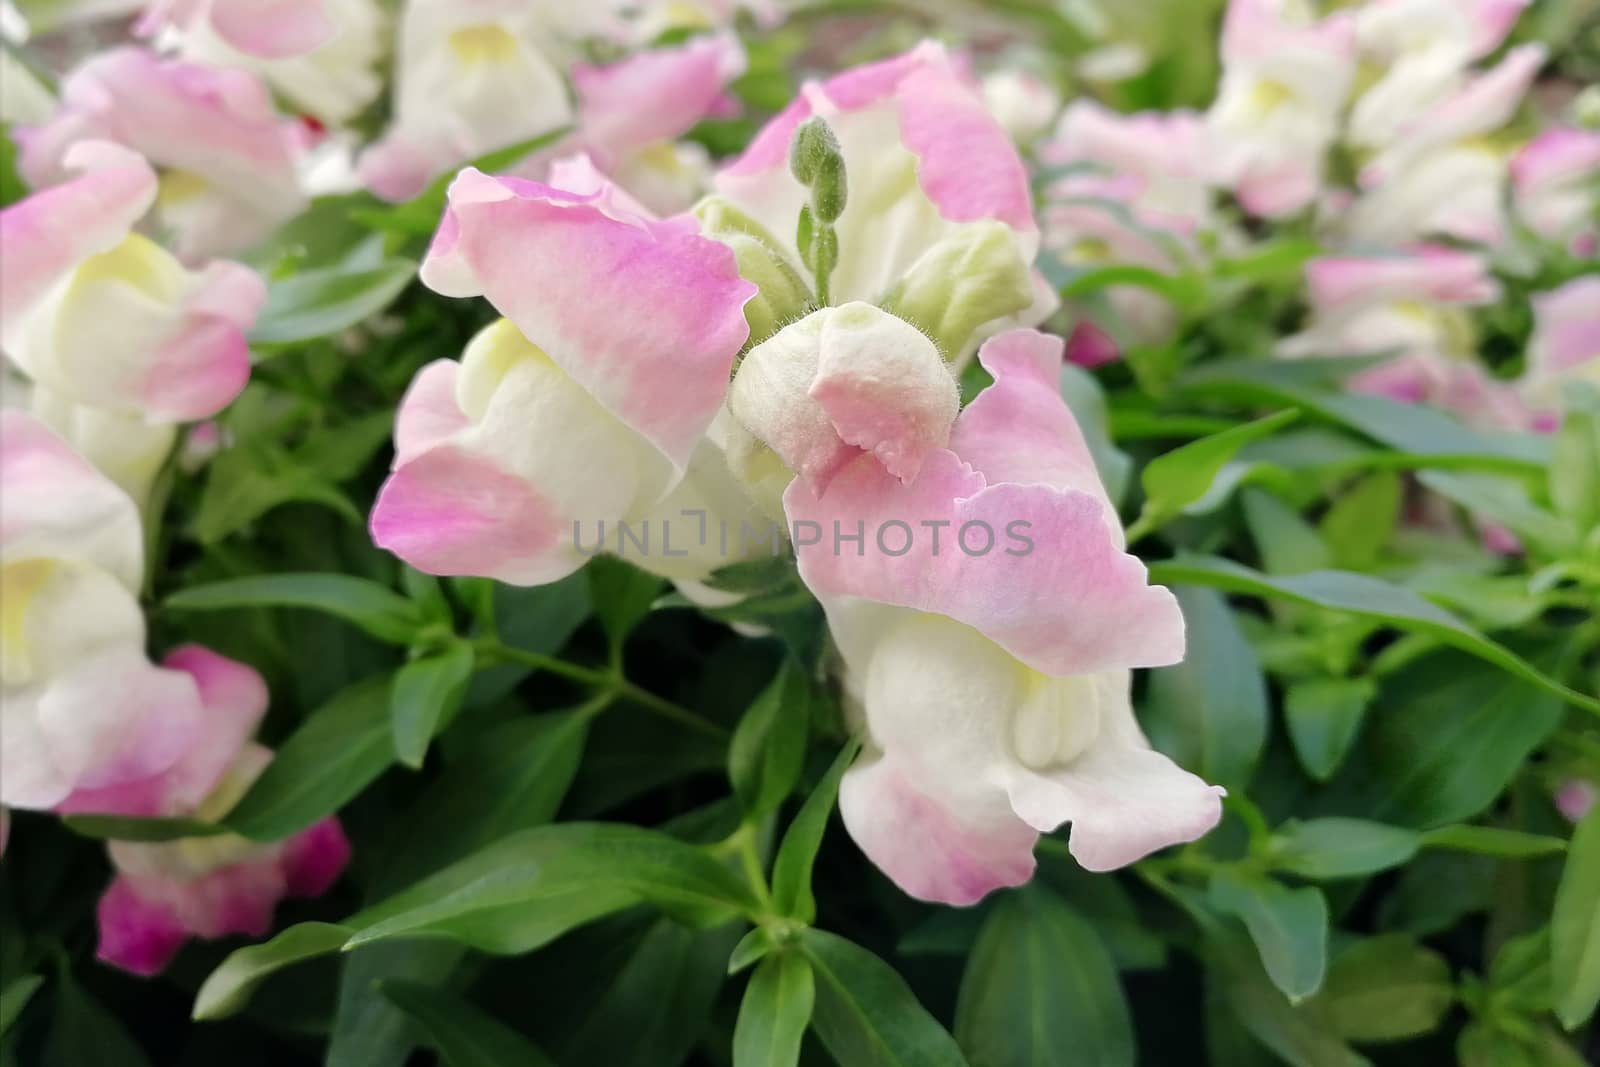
653,96
273,29
1035,568
137,935
48,234
451,511
1429,273
924,847
645,317
314,859
428,413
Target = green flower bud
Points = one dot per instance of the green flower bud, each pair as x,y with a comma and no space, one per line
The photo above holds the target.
812,142
784,294
967,280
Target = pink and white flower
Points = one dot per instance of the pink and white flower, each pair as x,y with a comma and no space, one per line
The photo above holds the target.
83,708
1284,84
1408,305
1442,176
590,403
269,29
1555,183
332,81
1565,346
458,64
120,341
992,679
227,160
1023,103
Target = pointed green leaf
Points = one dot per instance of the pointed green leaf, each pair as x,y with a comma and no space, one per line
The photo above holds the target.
426,694
230,985
775,1012
1575,927
1182,476
768,749
375,608
791,871
865,1013
463,1035
1343,848
1288,926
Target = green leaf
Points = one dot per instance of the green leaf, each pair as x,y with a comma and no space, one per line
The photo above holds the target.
1446,737
317,303
426,693
85,1032
623,595
1040,981
1324,716
775,1012
1088,405
230,985
369,1030
1493,841
865,1013
133,828
1180,477
1575,927
1386,989
375,608
1507,502
1365,596
1299,1033
1333,848
791,871
1427,435
1575,468
511,777
539,618
1209,713
1286,543
1288,926
15,997
768,749
333,756
527,889
463,1035
1361,520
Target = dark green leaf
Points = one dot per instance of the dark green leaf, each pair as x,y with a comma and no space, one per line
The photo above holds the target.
317,303
775,1012
84,1032
425,694
1288,926
1301,1034
1575,927
1362,595
380,611
1039,981
1182,476
333,756
791,872
540,618
622,594
1343,848
768,749
1324,716
1386,989
533,886
1209,713
230,985
131,828
463,1035
15,997
865,1013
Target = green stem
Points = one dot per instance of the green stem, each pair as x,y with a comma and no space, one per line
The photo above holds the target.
613,685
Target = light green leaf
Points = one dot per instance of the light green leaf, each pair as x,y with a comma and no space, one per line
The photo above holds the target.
133,828
1575,927
15,997
1287,543
1180,477
1324,717
1333,848
1386,989
463,1035
1361,520
1209,713
775,1012
865,1013
1575,469
1038,981
1506,501
333,756
1362,595
425,694
229,986
1288,926
318,303
527,889
791,871
1493,841
375,608
768,749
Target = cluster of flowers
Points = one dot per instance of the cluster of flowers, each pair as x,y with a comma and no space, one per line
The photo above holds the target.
1441,187
789,353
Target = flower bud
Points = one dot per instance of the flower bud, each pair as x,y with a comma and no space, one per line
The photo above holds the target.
784,294
969,279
